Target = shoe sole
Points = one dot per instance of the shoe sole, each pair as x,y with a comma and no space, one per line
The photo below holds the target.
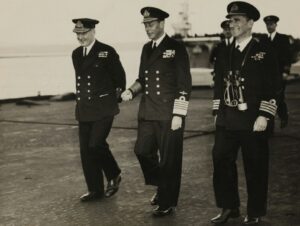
162,214
91,199
231,215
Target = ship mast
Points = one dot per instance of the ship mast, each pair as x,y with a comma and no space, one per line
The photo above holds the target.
183,26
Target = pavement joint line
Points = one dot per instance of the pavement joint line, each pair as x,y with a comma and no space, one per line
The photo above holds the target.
200,132
74,124
199,135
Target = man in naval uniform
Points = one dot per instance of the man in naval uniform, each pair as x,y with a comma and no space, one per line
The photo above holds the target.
100,79
226,41
280,43
244,103
165,83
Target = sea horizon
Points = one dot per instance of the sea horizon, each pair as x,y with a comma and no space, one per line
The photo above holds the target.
31,70
33,50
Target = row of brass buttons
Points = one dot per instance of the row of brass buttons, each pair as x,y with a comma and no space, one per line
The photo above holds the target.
146,85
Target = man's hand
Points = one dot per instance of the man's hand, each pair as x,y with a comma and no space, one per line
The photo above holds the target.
260,124
176,122
126,95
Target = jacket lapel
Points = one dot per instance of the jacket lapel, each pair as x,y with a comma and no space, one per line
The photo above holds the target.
78,58
90,58
276,37
158,51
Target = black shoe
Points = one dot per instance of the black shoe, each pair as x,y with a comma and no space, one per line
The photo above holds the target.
162,211
251,220
154,199
113,186
91,196
223,217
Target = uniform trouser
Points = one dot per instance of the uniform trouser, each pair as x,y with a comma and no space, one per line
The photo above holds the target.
95,153
163,170
255,152
282,109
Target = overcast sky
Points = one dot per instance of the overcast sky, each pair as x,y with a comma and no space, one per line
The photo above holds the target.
44,22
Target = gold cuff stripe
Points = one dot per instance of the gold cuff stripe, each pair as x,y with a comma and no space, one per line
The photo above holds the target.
216,104
269,107
180,107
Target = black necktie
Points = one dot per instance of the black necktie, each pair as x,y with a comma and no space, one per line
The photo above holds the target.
270,38
154,46
238,48
85,51
227,42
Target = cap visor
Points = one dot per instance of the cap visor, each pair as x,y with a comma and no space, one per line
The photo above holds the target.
235,14
147,20
81,30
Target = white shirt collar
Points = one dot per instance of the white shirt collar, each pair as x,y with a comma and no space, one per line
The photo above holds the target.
159,40
243,43
272,35
89,47
230,40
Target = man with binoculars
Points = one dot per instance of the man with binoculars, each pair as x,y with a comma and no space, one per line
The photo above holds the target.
246,82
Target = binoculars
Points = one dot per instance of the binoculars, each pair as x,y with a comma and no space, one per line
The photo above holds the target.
233,95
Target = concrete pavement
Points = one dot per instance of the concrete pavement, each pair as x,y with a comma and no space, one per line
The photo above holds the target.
41,176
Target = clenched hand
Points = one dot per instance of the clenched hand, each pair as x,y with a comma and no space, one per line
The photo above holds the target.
126,95
176,122
260,124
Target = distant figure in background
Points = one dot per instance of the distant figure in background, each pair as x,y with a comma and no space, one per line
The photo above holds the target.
165,83
226,40
100,79
244,104
281,45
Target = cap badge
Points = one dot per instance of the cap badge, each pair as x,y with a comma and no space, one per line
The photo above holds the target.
234,7
146,13
79,24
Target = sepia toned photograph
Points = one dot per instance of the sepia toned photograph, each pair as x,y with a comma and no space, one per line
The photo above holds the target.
150,112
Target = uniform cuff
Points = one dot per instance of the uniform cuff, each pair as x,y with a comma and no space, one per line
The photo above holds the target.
216,104
214,112
268,108
180,107
135,88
